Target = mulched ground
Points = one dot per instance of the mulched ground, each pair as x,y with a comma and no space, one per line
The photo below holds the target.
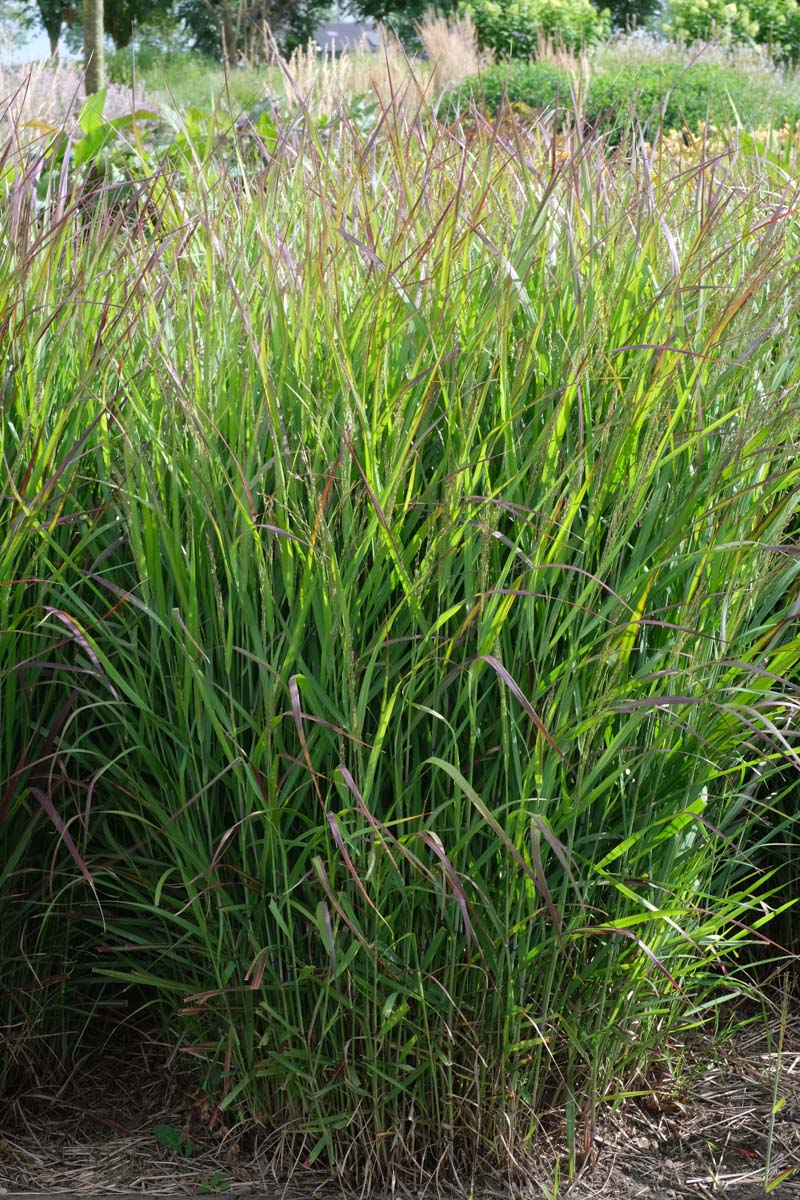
732,1132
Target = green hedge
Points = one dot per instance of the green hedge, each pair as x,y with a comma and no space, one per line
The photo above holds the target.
685,97
672,93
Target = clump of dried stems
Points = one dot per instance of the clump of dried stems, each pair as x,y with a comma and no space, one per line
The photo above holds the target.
452,50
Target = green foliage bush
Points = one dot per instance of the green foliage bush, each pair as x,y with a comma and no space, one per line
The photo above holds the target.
514,29
697,20
538,85
685,97
773,23
123,65
650,95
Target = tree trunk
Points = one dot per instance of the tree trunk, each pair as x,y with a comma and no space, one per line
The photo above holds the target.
93,45
54,39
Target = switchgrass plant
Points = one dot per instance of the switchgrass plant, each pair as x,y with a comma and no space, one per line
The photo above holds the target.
398,637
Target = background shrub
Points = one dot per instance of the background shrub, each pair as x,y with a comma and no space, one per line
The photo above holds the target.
682,97
778,26
515,30
123,65
671,94
539,85
700,20
773,23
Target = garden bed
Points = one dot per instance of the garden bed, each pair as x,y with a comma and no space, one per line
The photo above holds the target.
707,1133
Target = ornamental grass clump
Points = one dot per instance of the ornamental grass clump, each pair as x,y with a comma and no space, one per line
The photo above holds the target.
398,641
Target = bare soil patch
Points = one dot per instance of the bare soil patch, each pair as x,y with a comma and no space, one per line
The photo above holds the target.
730,1127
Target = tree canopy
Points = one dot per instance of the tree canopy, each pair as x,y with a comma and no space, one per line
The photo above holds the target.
122,16
236,28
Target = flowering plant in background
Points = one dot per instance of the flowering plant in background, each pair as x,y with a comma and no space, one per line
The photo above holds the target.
516,30
772,23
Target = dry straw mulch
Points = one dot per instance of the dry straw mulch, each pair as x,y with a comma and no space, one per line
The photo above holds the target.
709,1136
714,1140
